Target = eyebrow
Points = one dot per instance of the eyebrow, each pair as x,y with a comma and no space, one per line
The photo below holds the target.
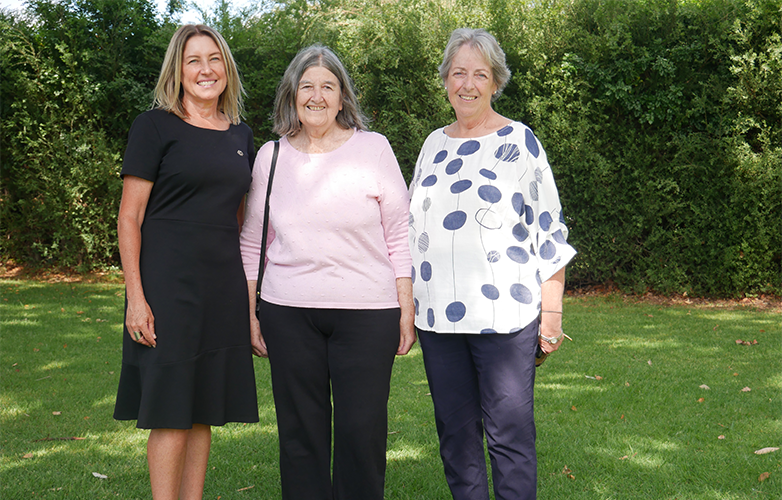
216,53
310,81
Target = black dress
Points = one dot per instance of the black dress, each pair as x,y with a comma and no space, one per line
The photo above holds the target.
191,270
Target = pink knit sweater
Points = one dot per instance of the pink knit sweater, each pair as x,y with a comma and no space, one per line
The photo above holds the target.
339,225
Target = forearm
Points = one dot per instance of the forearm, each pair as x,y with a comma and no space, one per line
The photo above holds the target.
251,285
129,236
404,291
551,310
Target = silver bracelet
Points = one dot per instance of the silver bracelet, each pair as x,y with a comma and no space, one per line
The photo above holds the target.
552,340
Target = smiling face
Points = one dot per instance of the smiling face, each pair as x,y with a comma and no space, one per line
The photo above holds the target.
203,72
318,98
470,84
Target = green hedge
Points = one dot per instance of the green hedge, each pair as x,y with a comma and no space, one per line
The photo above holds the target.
662,119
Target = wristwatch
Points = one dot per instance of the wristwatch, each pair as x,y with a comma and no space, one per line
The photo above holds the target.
552,340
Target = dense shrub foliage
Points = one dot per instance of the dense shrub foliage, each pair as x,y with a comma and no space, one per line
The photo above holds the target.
662,119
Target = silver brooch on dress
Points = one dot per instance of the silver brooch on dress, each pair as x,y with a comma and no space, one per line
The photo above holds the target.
239,152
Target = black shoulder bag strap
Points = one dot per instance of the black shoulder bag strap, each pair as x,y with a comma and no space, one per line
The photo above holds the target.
265,231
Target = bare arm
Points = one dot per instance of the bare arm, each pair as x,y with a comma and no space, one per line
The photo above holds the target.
404,290
551,306
139,317
256,338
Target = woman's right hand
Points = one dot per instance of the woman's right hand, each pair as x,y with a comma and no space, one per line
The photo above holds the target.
141,323
256,338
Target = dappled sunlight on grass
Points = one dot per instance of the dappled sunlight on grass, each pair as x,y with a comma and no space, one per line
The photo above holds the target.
406,452
571,388
106,401
775,382
55,365
641,343
25,322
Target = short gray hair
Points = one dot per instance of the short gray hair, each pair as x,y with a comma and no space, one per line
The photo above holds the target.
482,41
286,118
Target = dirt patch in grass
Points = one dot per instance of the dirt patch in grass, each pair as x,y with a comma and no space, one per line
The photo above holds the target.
10,270
761,302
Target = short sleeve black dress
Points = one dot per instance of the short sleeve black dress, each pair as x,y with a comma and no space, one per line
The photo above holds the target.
191,270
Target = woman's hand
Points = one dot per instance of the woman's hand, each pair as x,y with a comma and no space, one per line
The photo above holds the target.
141,323
404,291
551,329
256,338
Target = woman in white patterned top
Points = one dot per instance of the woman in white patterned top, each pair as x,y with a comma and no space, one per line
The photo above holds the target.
489,248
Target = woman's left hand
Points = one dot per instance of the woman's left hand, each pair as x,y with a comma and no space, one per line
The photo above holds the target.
406,335
553,330
404,291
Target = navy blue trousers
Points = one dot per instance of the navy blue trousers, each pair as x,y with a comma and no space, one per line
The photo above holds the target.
485,384
322,355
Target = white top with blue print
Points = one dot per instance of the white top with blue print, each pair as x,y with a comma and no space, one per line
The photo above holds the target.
486,229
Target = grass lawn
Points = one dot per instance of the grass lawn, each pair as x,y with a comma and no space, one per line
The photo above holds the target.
621,411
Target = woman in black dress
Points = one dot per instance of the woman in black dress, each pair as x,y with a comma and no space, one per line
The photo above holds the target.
187,360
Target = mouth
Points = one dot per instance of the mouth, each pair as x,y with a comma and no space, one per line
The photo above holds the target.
468,98
207,83
316,108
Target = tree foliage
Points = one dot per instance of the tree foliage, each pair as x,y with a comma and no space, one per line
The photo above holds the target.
662,119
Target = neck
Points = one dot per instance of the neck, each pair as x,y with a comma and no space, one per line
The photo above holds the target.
316,140
477,126
204,114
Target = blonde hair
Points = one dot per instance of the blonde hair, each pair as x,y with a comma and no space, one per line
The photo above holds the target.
286,118
169,92
486,45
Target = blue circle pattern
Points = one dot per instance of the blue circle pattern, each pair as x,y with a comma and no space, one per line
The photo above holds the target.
426,270
455,220
488,174
468,148
440,156
454,166
461,186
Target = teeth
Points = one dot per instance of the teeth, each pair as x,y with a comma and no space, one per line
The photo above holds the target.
207,83
468,97
316,108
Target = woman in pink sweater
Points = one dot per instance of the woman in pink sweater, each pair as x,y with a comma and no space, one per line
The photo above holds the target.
336,298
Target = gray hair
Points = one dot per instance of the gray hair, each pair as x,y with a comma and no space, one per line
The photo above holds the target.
286,118
482,41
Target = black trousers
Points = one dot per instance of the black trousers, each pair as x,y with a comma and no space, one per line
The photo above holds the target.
320,355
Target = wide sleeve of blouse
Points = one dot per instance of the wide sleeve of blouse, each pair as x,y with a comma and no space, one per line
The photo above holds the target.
394,211
544,212
145,148
252,230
